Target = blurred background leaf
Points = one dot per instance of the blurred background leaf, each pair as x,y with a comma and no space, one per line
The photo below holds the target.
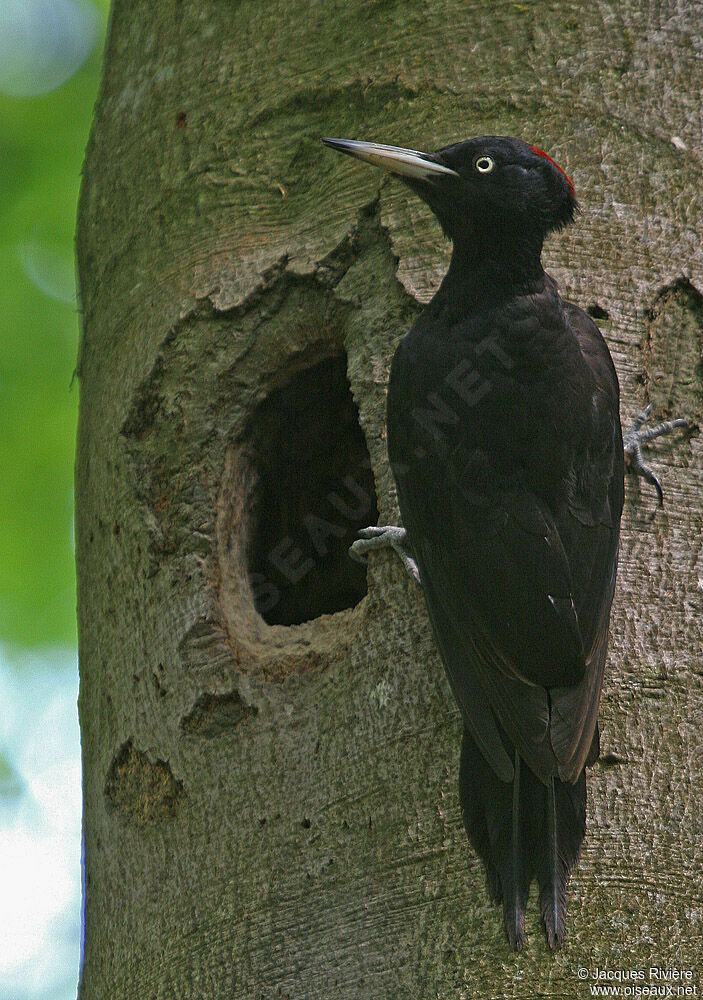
50,53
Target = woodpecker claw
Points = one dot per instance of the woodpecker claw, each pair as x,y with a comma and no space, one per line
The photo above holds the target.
636,437
385,536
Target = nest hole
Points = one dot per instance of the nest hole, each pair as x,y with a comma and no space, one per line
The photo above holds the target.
314,490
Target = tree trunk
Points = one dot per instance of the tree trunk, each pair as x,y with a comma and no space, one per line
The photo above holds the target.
270,745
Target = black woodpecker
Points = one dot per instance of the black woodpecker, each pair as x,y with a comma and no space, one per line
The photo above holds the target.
505,443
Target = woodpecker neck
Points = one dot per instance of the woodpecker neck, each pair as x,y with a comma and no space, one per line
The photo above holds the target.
490,272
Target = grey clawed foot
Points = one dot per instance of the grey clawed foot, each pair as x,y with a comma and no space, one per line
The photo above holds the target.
382,537
637,436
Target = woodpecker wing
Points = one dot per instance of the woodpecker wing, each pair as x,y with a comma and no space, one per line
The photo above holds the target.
575,710
518,589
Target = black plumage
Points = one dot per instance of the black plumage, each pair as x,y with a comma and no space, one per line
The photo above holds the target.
505,443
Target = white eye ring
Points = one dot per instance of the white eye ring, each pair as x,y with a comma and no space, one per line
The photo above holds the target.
484,164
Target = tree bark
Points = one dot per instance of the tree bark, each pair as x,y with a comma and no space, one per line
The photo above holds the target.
270,745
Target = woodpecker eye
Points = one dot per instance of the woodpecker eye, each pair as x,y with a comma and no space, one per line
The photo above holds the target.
484,164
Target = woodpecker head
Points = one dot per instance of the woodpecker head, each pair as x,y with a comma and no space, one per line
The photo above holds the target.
493,189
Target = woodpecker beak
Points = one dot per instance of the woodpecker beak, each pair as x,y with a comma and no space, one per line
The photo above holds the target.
407,163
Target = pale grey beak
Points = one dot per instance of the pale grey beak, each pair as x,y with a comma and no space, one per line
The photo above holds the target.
395,159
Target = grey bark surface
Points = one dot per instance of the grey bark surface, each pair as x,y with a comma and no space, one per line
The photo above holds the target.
272,810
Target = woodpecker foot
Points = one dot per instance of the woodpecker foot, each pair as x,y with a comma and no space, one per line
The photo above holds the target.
385,537
637,436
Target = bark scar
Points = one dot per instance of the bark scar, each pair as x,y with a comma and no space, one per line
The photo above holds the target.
217,714
140,790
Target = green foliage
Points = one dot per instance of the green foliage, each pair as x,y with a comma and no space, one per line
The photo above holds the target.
42,141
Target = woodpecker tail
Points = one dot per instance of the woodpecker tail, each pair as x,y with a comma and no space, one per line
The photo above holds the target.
522,830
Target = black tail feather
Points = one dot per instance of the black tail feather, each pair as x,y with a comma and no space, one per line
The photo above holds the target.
565,826
521,830
513,907
551,888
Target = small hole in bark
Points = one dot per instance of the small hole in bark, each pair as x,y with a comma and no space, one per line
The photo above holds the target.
314,490
609,760
597,311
